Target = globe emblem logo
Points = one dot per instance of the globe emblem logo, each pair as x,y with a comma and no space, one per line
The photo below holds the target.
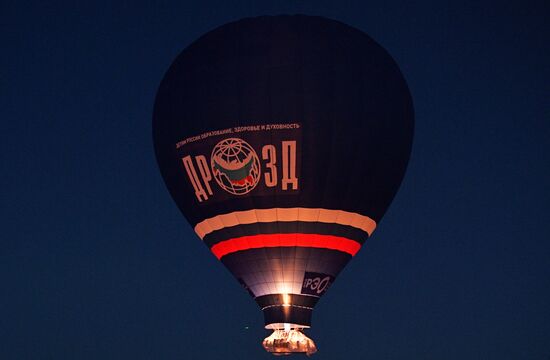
235,166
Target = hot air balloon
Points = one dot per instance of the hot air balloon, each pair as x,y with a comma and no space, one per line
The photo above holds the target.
283,140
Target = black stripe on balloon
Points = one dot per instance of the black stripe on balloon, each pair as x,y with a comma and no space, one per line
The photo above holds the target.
300,316
286,227
290,299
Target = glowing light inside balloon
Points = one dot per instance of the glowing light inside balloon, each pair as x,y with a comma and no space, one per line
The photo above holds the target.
286,300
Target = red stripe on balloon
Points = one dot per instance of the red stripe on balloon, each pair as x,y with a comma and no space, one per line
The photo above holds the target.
285,240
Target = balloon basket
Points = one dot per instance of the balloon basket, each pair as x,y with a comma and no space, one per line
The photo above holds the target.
287,342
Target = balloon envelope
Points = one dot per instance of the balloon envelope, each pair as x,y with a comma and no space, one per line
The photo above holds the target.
283,141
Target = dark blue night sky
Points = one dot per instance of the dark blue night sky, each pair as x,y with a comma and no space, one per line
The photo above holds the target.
97,262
